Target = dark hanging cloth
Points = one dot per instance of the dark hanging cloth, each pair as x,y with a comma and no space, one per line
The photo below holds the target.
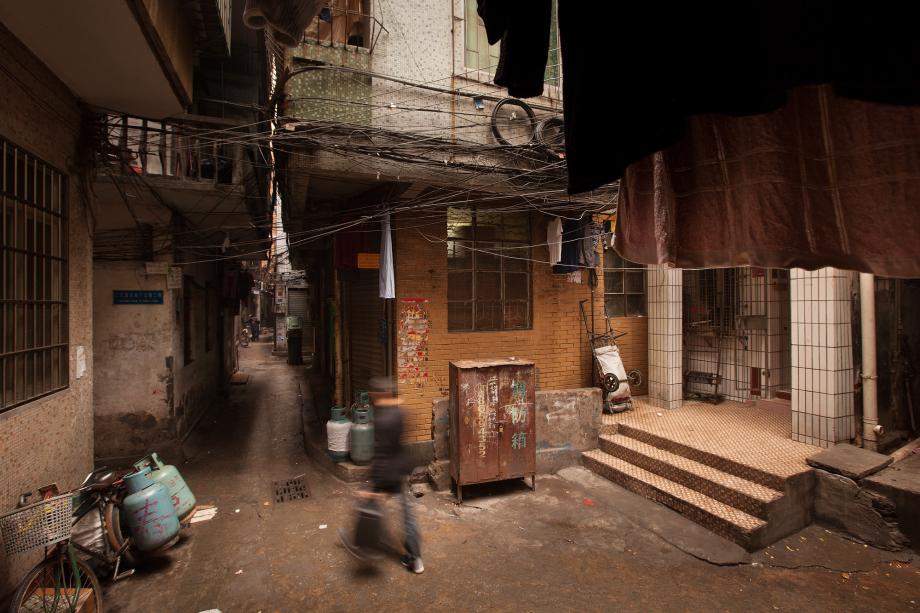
572,235
631,92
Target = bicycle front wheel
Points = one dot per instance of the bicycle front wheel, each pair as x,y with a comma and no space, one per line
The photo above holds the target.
60,584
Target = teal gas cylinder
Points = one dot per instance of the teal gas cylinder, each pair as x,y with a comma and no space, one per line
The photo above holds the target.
337,429
362,437
166,474
149,511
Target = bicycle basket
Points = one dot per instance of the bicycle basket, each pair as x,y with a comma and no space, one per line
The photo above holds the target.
37,525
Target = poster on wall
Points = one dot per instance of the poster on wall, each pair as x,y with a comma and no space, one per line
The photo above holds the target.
412,351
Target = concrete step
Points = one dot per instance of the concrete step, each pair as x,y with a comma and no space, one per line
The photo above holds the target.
735,491
727,521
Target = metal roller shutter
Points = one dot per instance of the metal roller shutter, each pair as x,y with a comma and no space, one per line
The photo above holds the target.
367,329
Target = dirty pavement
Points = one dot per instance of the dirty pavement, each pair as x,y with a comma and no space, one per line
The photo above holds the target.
578,543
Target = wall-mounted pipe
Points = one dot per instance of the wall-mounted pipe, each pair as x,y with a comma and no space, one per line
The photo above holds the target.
871,427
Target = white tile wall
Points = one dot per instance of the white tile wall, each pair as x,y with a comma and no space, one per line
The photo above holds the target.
822,356
664,294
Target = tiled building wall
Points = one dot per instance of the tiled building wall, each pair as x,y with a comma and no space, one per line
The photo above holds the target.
51,439
665,340
779,339
556,342
822,356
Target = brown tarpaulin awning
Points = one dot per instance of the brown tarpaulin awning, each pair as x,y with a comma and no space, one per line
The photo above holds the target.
823,181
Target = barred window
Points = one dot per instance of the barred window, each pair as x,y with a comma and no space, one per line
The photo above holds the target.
34,351
488,270
478,54
624,286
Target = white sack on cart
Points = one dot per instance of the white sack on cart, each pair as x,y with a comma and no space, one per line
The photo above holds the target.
609,357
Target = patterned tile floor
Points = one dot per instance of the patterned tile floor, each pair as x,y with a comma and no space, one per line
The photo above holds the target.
755,436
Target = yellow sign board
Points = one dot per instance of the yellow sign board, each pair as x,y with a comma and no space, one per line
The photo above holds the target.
368,260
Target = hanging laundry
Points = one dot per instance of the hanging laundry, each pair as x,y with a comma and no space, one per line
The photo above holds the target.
571,236
554,240
587,246
387,280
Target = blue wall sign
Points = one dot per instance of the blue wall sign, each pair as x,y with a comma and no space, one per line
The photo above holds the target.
130,296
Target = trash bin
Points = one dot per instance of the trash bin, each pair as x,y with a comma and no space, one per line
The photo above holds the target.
295,340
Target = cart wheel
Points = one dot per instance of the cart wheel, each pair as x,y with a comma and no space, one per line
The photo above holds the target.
635,378
610,382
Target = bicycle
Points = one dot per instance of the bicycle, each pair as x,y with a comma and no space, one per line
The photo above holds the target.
63,580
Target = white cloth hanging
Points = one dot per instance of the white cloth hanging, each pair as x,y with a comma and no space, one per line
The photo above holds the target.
387,280
554,240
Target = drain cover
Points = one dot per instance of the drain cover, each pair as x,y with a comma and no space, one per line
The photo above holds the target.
291,489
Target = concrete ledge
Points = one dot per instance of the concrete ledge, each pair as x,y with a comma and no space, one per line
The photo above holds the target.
850,461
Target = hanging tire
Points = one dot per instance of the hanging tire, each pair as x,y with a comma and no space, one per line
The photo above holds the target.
513,122
64,574
551,134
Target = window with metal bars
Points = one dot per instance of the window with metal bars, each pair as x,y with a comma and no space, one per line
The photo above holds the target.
33,278
488,270
624,286
478,54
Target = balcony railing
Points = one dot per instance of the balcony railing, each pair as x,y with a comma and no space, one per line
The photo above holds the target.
187,150
345,23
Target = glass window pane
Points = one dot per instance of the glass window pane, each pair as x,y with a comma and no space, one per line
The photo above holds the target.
488,286
635,305
615,305
516,227
459,223
459,315
517,315
488,255
460,286
488,225
488,315
516,258
517,286
613,282
612,259
459,255
635,282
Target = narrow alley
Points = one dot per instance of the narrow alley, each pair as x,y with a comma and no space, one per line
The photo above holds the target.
578,543
602,329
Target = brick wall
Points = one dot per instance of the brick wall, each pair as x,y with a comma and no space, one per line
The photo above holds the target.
51,439
556,343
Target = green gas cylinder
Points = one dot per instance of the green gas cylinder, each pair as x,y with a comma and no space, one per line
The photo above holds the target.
362,437
183,499
148,511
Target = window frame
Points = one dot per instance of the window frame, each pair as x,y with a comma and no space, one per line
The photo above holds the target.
552,77
478,268
623,267
41,295
312,34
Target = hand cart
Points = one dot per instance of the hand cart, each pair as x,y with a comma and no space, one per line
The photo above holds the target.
608,366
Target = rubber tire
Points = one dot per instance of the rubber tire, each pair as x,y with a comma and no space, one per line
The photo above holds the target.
527,110
610,382
16,602
114,535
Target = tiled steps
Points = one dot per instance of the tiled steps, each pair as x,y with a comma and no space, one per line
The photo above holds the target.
750,497
717,494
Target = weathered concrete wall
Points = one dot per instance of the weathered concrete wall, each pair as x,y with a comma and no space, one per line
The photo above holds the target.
134,348
900,483
869,516
51,439
567,423
197,384
147,396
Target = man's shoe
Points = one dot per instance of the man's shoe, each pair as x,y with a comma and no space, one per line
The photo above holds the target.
413,564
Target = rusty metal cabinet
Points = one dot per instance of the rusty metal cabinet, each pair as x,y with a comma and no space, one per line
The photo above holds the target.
492,433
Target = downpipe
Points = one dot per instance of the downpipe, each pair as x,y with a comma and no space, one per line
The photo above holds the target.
871,429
